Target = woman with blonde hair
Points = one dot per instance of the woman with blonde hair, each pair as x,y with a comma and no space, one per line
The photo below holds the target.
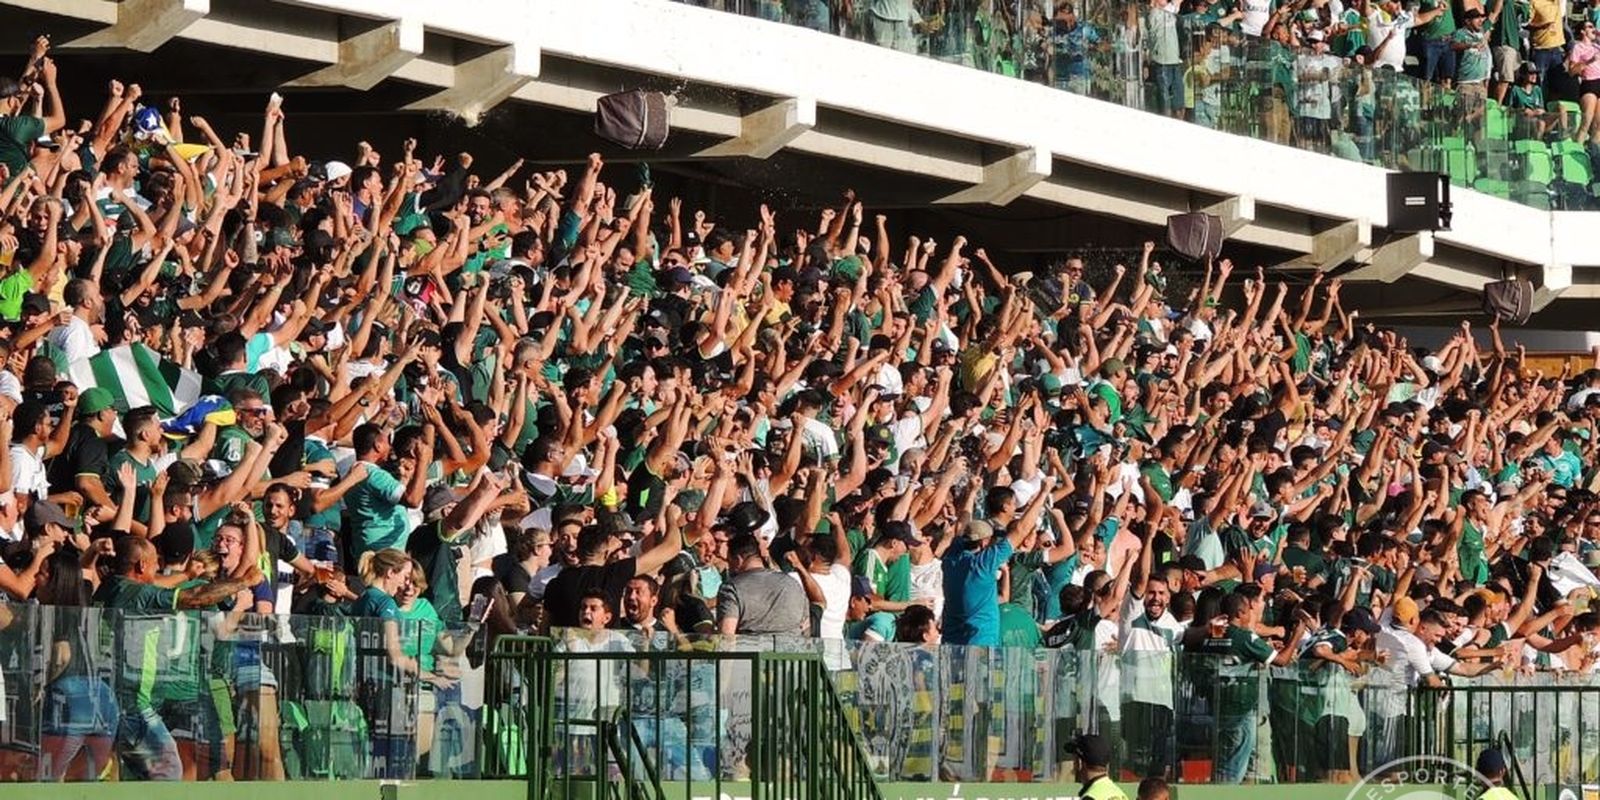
385,693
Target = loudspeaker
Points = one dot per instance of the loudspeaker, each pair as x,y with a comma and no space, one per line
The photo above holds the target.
1418,201
1196,235
636,120
1509,301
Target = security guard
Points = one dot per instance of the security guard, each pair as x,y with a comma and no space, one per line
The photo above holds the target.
1094,762
1492,766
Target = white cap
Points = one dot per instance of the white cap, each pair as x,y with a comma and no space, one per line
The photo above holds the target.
337,170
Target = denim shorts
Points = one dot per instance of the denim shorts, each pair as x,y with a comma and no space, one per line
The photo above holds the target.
78,705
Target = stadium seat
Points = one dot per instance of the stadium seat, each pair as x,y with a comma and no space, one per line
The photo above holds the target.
1534,159
1497,123
1495,157
1495,187
1572,162
1531,194
1570,112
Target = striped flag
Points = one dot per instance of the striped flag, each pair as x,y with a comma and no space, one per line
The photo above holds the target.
138,376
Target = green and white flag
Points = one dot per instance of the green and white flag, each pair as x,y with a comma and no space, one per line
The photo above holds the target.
137,376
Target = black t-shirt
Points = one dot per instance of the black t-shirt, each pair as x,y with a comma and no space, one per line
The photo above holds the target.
513,577
291,455
280,544
565,592
85,454
646,493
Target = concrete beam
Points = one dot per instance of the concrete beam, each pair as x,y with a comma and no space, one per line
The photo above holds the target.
767,130
145,25
1007,179
1397,259
482,83
1235,212
1335,246
1555,279
367,58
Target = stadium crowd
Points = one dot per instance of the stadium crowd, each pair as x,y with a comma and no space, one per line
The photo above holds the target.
243,381
1321,74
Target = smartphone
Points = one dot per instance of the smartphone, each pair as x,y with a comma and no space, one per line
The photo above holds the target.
480,608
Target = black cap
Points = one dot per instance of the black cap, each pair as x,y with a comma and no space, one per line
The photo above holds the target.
1092,749
1491,762
746,517
1360,619
175,543
899,531
861,586
35,304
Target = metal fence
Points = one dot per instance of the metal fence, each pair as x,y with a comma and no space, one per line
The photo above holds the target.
95,694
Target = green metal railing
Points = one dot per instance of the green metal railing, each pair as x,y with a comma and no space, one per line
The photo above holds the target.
590,716
517,716
1551,731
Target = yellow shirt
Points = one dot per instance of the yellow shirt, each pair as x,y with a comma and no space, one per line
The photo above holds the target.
1552,35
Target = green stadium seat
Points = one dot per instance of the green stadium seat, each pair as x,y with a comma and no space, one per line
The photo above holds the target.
1491,186
1569,112
1497,123
1572,162
1534,158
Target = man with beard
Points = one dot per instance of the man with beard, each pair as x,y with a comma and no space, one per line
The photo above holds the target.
1149,636
639,600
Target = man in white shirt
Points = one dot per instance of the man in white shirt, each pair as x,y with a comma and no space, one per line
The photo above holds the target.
1256,15
1316,95
31,429
1408,648
76,336
1387,26
1149,637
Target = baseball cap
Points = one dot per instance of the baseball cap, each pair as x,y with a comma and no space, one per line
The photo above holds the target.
280,237
860,586
1262,511
899,531
978,530
175,543
336,170
1360,619
1491,762
745,517
1405,611
677,276
1092,749
93,401
434,502
1050,384
45,512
